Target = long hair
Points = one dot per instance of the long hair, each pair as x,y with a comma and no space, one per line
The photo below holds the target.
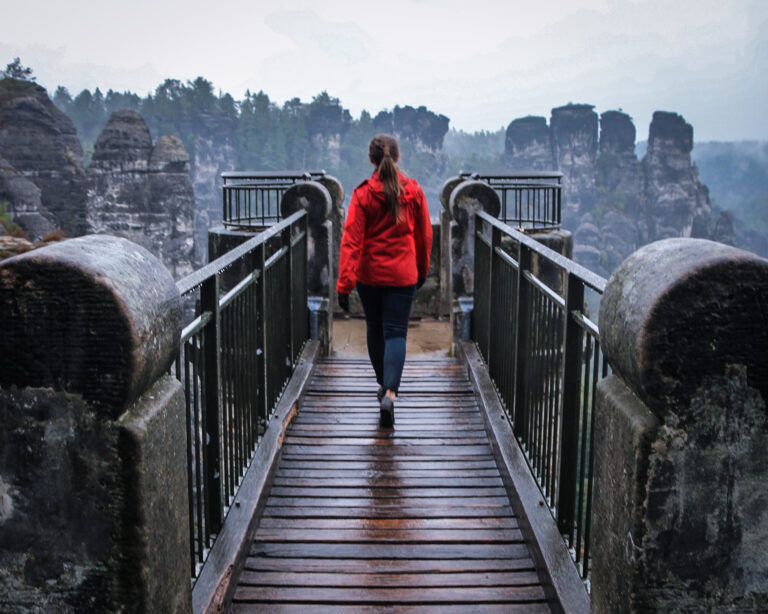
384,152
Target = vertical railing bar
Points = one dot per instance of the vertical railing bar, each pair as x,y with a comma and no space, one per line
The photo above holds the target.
523,290
190,449
590,482
495,242
225,419
549,395
197,387
583,434
209,301
574,301
262,256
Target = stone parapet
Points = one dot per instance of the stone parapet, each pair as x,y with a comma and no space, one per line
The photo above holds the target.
93,498
680,522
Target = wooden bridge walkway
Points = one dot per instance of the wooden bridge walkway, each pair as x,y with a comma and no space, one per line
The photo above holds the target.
363,519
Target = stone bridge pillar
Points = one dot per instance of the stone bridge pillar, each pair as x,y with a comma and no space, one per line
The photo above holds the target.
316,199
93,484
462,200
681,440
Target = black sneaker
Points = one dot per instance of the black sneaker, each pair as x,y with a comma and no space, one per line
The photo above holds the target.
380,393
386,413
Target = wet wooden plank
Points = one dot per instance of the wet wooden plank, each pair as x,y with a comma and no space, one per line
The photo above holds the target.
322,464
389,523
406,499
375,441
424,452
387,481
496,578
369,418
376,432
388,596
395,511
332,565
396,471
443,608
389,551
398,493
408,536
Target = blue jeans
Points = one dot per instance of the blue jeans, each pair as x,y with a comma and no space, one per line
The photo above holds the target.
387,310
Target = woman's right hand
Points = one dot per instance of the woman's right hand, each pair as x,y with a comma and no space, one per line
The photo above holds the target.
344,302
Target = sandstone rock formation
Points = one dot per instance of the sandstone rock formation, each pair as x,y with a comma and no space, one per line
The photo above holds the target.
21,200
613,202
574,147
677,204
40,142
142,192
528,144
213,153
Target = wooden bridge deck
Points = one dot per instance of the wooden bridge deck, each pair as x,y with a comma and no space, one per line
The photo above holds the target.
362,519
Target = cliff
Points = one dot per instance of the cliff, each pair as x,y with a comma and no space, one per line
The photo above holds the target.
21,200
142,191
40,143
132,188
613,202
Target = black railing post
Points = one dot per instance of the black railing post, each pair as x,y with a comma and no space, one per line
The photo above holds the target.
521,342
261,324
209,302
287,243
495,242
569,431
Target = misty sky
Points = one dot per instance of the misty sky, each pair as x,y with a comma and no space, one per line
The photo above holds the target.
481,63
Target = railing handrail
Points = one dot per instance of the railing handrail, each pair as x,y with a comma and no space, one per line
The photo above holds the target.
289,174
521,175
196,278
590,278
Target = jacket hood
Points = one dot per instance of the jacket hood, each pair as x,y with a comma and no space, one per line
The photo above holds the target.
377,187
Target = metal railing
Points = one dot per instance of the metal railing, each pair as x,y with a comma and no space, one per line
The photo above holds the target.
235,358
530,200
252,198
543,354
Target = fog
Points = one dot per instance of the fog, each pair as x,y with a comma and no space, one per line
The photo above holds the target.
482,64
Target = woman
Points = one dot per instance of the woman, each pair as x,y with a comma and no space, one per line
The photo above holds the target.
385,254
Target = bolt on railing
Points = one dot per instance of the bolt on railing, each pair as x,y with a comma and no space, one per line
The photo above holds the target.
529,200
252,198
235,358
543,354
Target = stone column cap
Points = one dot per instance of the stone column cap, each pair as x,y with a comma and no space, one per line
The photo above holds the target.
334,187
309,195
98,315
679,311
476,194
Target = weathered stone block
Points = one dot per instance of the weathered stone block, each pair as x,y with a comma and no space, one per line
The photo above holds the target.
59,504
93,512
560,241
154,545
316,200
679,310
466,199
624,432
681,514
97,315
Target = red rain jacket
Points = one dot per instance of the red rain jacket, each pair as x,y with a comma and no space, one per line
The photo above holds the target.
377,251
